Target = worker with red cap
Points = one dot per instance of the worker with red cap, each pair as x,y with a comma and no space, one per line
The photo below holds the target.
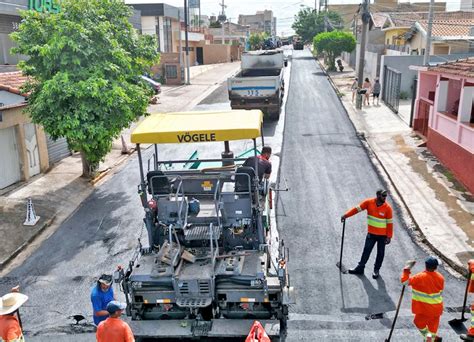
427,300
380,230
470,333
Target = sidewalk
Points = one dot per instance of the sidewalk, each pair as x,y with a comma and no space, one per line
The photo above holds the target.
439,209
59,192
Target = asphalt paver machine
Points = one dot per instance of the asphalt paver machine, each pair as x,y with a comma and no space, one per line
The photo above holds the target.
207,270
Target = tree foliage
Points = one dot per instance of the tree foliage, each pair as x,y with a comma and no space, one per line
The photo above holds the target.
333,44
85,63
256,40
308,23
215,24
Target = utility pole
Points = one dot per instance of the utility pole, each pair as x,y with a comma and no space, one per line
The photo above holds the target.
426,56
222,19
180,56
365,15
186,14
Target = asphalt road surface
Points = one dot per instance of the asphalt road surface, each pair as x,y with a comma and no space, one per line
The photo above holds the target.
329,171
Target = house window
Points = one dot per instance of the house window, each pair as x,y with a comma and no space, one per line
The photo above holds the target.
171,71
423,51
167,38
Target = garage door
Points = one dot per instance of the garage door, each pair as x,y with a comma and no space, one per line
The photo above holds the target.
10,165
57,149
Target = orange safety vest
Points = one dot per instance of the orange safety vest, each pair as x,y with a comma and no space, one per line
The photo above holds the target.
471,281
427,289
10,330
379,219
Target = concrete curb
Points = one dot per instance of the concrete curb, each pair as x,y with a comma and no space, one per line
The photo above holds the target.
104,173
423,239
25,244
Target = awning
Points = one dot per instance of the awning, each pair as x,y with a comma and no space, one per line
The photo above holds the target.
193,127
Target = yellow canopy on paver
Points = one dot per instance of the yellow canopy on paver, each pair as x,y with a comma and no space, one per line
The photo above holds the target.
192,127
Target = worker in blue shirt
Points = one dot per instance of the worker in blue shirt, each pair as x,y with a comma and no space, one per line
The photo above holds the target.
102,293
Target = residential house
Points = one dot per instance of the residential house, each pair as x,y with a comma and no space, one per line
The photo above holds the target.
451,33
23,145
260,22
444,115
234,34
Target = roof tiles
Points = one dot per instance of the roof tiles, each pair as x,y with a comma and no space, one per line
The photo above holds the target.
12,81
464,67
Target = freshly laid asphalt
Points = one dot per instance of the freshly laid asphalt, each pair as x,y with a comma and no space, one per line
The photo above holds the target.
329,171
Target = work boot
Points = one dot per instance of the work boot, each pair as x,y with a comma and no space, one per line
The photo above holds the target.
356,270
375,274
466,337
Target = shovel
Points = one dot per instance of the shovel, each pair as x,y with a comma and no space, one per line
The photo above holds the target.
458,323
396,314
339,264
409,264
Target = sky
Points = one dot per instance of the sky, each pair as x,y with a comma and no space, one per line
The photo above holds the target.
284,10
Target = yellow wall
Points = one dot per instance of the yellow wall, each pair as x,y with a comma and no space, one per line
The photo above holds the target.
390,36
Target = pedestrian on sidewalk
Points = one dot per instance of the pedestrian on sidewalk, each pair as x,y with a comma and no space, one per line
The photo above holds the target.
470,333
10,325
427,301
101,295
113,329
380,230
367,86
376,91
354,87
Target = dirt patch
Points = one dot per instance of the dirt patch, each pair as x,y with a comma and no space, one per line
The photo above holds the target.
419,162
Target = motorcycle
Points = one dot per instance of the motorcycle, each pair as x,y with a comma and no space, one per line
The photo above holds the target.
339,65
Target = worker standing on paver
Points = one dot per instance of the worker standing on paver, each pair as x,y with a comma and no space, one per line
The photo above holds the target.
427,300
102,293
10,326
380,230
263,161
113,329
470,333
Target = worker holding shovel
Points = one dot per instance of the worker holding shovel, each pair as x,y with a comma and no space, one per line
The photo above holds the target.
470,333
427,301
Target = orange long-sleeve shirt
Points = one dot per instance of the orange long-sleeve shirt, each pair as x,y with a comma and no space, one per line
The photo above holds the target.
114,330
10,329
427,289
379,218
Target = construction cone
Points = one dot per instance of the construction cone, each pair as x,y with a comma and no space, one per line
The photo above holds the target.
31,218
125,149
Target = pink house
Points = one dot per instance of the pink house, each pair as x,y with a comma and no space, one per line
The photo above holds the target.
444,115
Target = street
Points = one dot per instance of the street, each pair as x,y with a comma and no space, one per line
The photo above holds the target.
327,170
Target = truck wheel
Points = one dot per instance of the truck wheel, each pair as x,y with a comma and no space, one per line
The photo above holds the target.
275,114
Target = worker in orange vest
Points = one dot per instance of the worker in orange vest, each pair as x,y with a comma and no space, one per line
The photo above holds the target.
10,327
470,333
113,329
427,300
380,230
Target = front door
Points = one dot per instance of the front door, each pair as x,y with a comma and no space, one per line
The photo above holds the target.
200,55
32,149
10,162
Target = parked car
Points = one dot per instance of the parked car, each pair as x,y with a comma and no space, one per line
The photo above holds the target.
155,85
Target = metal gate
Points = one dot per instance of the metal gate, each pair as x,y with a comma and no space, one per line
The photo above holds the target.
391,88
57,149
423,117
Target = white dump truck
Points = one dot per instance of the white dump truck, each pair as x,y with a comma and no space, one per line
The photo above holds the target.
260,83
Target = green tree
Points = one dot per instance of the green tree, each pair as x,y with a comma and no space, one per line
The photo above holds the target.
333,44
215,24
308,23
85,65
256,40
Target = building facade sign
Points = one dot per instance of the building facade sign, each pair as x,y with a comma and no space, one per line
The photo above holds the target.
51,6
194,3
